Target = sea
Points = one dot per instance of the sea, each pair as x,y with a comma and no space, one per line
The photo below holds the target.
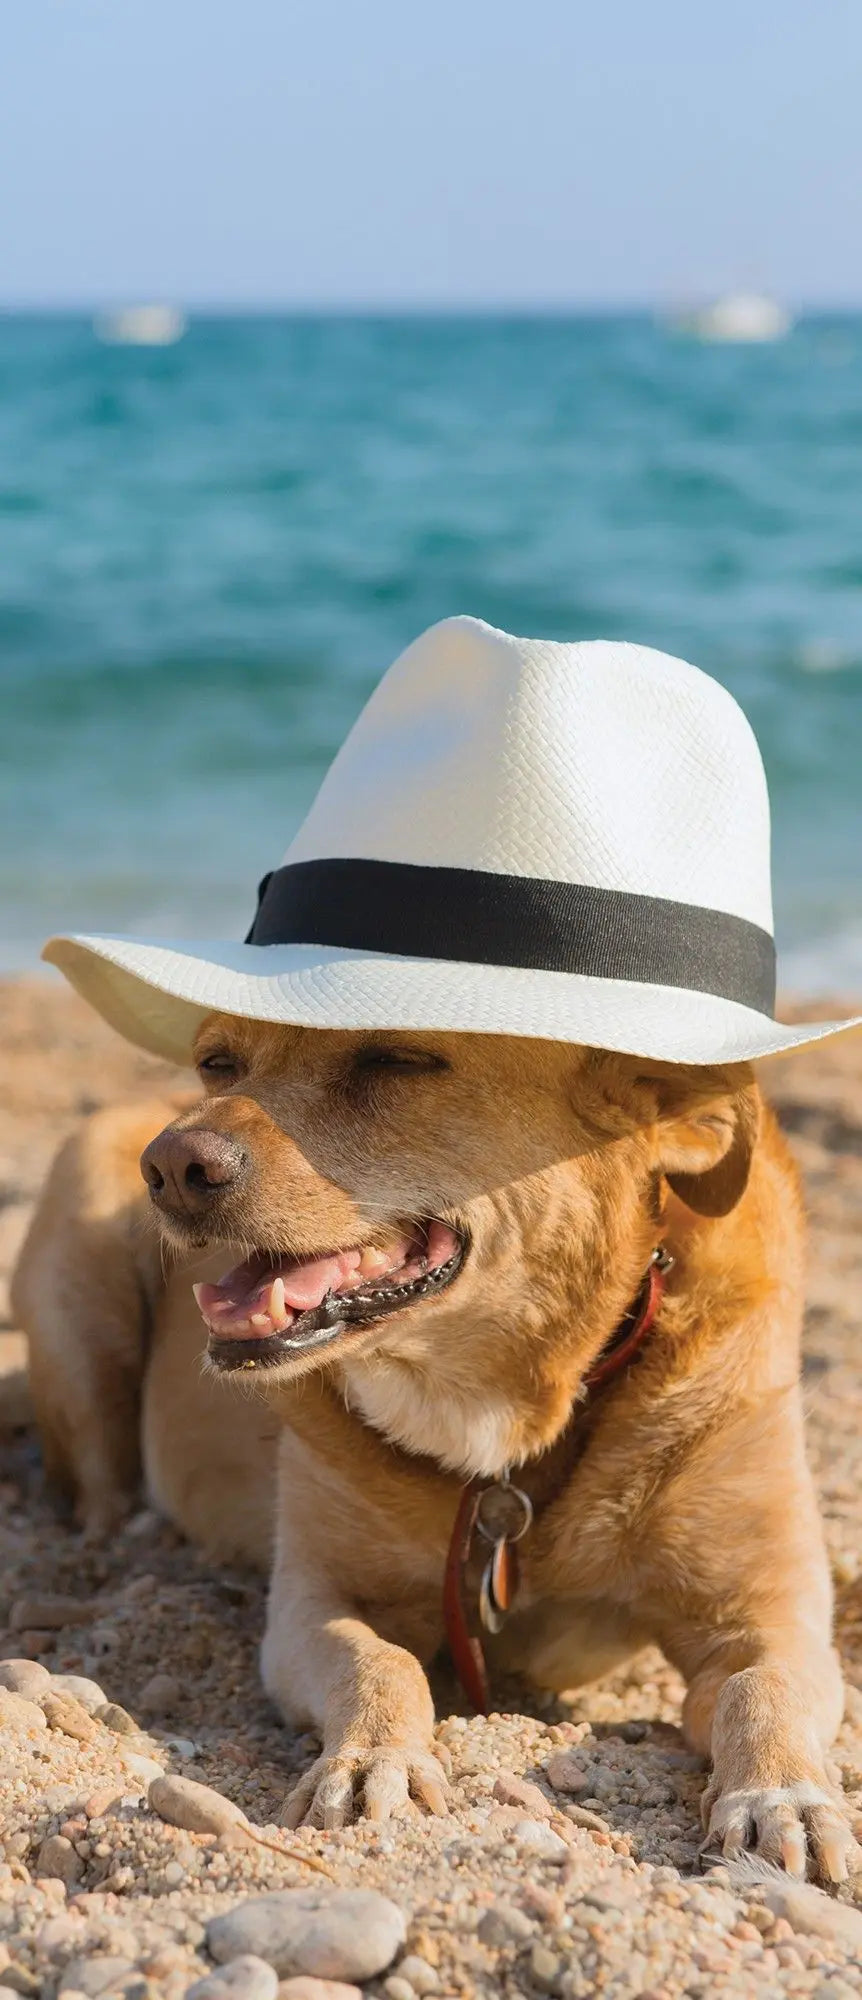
210,552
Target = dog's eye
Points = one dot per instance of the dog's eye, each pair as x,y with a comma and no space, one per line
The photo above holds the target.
218,1064
372,1059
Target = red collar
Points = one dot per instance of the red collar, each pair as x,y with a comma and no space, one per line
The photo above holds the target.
501,1513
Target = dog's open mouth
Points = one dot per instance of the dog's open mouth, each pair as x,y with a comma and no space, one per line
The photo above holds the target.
270,1309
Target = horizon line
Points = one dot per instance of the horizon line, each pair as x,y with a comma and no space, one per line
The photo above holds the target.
247,308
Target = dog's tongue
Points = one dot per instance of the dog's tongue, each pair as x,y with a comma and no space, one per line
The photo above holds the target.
258,1297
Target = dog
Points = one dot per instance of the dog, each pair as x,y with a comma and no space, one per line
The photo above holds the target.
415,1247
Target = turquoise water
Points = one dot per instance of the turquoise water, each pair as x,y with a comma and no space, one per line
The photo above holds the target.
209,553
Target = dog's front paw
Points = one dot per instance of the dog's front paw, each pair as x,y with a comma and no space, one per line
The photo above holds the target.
789,1825
375,1782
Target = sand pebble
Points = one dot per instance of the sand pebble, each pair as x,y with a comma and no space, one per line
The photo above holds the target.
502,1925
584,1816
25,1677
18,1713
807,1909
57,1857
87,1692
144,1768
145,1522
92,1976
117,1719
197,1808
245,1978
512,1791
63,1712
350,1934
565,1774
160,1695
100,1802
51,1614
58,1934
533,1836
305,1988
34,1644
397,1988
545,1968
421,1976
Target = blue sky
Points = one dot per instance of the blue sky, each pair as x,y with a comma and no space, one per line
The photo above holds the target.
339,152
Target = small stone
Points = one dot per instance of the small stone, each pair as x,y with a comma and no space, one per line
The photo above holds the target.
95,1975
145,1522
232,1838
87,1692
546,1904
34,1644
57,1857
182,1746
512,1791
99,1803
808,1909
116,1718
51,1614
503,1925
144,1768
565,1774
421,1976
304,1988
756,1913
19,1979
63,1712
16,1712
393,1987
245,1978
545,1968
584,1816
197,1808
350,1934
160,1695
25,1677
57,1933
535,1837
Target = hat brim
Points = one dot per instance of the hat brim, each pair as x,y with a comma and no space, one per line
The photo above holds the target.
157,995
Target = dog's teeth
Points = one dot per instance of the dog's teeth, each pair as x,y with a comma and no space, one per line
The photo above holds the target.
277,1302
261,1321
373,1263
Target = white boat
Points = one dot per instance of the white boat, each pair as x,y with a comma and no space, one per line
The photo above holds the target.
142,326
743,317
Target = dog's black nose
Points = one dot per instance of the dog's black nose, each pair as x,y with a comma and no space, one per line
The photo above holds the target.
191,1170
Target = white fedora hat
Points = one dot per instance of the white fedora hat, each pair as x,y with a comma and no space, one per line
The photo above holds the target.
567,842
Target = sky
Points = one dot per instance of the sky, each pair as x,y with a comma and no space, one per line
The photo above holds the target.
536,153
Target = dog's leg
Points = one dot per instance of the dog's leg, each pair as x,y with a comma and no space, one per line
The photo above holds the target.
338,1548
81,1292
752,1634
765,1707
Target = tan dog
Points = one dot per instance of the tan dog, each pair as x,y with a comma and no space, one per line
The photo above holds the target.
482,1211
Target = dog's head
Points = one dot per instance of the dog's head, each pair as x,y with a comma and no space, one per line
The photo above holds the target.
468,1210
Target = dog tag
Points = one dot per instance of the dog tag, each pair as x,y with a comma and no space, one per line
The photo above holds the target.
499,1586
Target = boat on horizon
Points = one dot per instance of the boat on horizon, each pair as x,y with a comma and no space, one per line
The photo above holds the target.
141,326
735,317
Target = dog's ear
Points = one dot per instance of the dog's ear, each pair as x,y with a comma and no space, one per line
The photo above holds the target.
705,1149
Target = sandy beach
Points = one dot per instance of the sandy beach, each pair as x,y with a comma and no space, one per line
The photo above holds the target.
569,1865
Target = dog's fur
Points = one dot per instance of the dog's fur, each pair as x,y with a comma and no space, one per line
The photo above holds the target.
689,1516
